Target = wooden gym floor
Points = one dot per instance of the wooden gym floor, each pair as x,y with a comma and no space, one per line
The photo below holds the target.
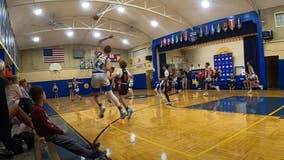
186,130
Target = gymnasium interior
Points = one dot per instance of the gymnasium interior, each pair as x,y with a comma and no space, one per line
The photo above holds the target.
237,44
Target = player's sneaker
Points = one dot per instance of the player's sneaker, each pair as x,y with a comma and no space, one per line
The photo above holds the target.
129,113
123,114
102,111
169,103
218,88
205,94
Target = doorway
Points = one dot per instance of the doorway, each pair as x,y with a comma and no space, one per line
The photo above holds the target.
149,79
272,67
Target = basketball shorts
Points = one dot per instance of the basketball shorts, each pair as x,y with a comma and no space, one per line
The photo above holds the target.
100,81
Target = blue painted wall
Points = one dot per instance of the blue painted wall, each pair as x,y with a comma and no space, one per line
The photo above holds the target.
2,54
140,81
281,73
63,87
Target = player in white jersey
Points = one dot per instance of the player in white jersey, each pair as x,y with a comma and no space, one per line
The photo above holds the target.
100,81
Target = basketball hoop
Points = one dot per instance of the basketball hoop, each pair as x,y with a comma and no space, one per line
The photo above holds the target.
55,68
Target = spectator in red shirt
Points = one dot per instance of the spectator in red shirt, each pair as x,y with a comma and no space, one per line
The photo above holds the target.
8,72
51,132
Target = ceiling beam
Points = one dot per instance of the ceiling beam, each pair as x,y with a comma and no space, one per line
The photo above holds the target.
163,14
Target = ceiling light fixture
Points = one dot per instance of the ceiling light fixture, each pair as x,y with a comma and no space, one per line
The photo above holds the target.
120,9
37,11
154,23
125,41
86,5
69,34
205,4
96,34
36,39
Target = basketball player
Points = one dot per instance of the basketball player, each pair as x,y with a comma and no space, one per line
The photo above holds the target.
208,79
120,82
167,86
130,87
55,90
76,89
253,79
70,88
101,81
159,87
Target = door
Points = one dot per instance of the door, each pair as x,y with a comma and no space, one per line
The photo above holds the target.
271,63
149,77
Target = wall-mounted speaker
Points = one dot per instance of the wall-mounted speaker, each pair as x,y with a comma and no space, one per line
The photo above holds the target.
267,34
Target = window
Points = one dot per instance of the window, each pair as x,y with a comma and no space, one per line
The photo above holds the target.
279,19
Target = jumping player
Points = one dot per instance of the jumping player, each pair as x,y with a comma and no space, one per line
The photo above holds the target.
120,81
208,79
76,89
167,86
101,81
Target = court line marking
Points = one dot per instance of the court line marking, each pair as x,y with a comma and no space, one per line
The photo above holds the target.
154,143
238,133
207,150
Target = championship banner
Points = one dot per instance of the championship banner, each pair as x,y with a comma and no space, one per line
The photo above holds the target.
206,30
193,36
161,44
225,26
165,42
200,32
218,28
173,39
212,29
232,24
176,41
185,36
169,41
239,23
180,37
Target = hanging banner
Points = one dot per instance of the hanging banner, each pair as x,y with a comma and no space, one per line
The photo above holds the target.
218,28
185,36
232,24
200,32
212,29
225,26
206,30
239,23
193,36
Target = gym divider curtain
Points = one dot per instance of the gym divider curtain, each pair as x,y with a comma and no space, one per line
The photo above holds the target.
251,53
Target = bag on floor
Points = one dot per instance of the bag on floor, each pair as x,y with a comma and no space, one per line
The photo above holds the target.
27,137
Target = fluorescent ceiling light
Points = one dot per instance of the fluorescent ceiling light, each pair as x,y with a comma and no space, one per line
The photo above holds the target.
121,9
125,41
154,23
37,11
205,3
36,39
69,34
86,5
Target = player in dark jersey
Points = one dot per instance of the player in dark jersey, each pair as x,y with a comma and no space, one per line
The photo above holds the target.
120,81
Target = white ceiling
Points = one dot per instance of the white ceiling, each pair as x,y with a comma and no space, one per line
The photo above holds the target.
133,25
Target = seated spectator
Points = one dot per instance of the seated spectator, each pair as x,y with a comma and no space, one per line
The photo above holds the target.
52,133
6,114
24,88
8,71
232,82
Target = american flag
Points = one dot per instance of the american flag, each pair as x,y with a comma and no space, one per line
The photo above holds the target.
53,55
